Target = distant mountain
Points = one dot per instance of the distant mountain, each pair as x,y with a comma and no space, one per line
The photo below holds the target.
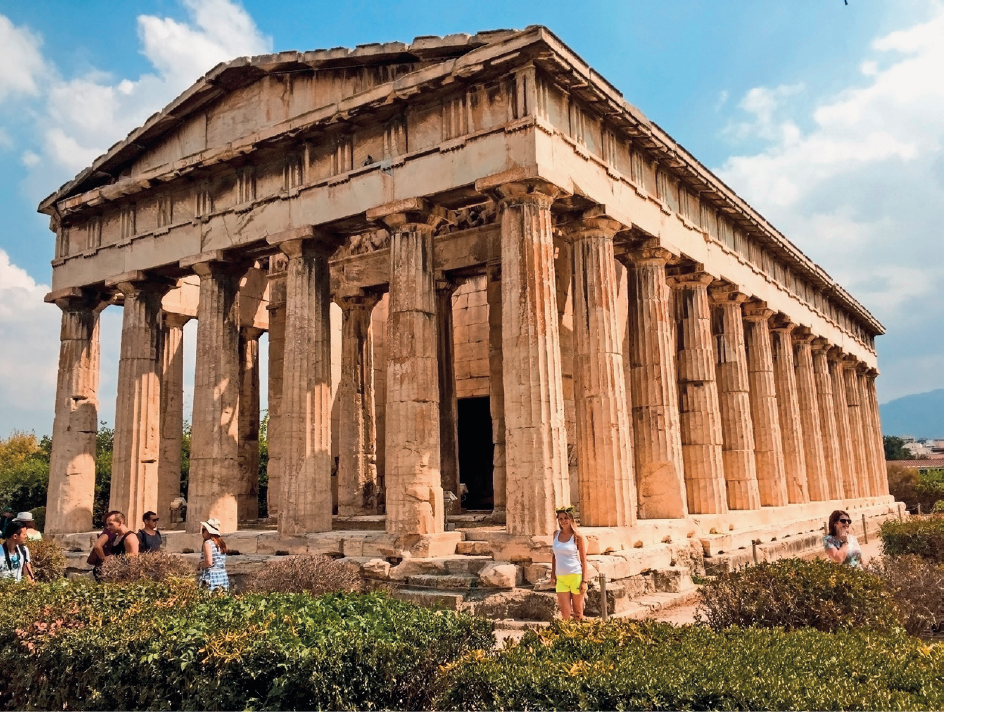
919,415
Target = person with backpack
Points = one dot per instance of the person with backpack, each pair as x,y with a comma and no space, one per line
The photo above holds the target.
149,538
16,562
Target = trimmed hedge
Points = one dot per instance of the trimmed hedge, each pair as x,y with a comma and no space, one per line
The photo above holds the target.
793,593
156,646
649,665
922,536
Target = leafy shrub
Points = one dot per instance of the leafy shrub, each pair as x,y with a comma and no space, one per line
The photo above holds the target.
47,560
153,566
916,585
315,575
938,507
912,487
793,593
650,665
922,536
24,471
39,518
171,646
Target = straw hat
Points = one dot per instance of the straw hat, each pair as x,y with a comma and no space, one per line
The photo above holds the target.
212,526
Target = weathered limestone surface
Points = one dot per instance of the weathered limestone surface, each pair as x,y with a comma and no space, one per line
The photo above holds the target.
867,434
305,504
213,467
415,493
604,456
770,462
853,395
137,426
496,367
828,422
172,411
809,413
249,423
883,482
849,480
357,474
535,430
449,459
73,453
277,273
658,446
733,389
789,415
703,461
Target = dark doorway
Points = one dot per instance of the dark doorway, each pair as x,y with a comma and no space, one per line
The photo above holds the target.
475,432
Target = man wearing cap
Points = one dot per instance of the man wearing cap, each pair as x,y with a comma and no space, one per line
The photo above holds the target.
27,519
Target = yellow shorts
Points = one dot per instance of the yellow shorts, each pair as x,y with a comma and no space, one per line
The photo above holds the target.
569,583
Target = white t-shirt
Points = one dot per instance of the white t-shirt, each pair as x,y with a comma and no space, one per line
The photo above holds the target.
18,558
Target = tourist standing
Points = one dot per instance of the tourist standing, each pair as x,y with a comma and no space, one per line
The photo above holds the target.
16,562
569,563
124,539
101,549
27,519
212,563
840,545
149,538
6,519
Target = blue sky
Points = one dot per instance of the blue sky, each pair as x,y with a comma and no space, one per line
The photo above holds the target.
827,118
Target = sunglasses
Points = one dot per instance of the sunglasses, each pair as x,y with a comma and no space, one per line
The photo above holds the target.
844,521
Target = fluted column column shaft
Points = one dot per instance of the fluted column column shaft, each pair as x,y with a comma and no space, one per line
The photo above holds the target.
213,464
867,434
883,482
172,411
277,273
658,445
733,394
842,420
535,426
137,425
770,465
357,474
853,395
72,482
699,406
496,366
305,503
604,456
809,412
449,457
832,455
250,423
789,414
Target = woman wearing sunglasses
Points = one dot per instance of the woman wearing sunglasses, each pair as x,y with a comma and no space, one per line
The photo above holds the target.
841,546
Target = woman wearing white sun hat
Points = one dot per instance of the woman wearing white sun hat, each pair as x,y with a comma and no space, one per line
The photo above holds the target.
213,560
27,519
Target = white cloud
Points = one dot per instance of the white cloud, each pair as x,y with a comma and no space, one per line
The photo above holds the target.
21,62
30,158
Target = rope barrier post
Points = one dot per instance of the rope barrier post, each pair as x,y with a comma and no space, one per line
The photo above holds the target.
754,552
602,583
919,509
864,526
899,510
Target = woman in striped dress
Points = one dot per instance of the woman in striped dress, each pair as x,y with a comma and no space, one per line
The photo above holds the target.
213,559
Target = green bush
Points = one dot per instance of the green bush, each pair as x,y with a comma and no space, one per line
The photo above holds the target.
922,536
650,665
173,646
913,487
793,593
47,560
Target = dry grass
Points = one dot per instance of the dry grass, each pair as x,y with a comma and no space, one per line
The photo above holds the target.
916,585
47,560
313,574
152,566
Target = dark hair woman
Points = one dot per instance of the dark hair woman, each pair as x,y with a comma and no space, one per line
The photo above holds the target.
839,545
213,559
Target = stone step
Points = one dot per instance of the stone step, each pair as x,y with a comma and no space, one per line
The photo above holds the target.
646,605
469,565
479,533
473,548
444,582
431,597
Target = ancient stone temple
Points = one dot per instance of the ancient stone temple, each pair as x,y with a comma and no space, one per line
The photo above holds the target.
478,267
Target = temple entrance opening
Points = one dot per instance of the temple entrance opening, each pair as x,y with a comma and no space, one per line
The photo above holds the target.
476,445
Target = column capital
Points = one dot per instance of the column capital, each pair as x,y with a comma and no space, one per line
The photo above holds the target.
598,221
849,362
835,354
76,299
515,187
301,248
251,332
781,322
138,282
726,293
411,211
647,251
802,335
696,278
756,310
360,300
821,344
176,321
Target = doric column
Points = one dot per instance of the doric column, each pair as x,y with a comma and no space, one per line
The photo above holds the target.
213,467
137,425
883,482
789,416
867,432
658,447
357,487
849,483
770,464
699,407
733,389
495,362
832,455
277,273
449,453
535,425
250,423
305,504
853,394
604,455
809,415
72,483
172,412
412,457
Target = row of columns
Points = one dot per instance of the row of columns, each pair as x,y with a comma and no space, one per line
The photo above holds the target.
729,406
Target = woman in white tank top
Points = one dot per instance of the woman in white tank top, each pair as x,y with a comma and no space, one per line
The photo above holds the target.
569,563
